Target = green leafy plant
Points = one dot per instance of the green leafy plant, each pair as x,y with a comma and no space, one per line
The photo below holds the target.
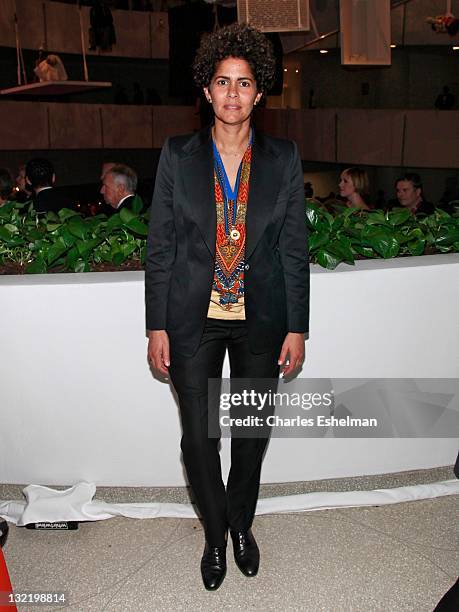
352,234
68,242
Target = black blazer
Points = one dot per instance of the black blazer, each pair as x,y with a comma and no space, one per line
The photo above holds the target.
52,200
182,235
109,211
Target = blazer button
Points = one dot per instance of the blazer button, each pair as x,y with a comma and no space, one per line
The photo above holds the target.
247,267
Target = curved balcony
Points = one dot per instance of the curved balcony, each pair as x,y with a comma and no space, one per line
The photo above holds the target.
79,401
393,138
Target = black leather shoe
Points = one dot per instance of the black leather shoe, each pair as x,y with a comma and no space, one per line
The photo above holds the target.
246,553
213,566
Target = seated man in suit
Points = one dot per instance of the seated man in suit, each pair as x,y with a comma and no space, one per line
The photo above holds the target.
409,195
41,177
119,183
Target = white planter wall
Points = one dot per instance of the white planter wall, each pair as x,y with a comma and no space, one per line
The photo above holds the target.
78,401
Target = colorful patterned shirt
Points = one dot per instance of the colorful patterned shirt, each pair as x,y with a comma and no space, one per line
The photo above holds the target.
227,298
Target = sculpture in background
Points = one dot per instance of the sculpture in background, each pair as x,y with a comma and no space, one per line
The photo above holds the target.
51,69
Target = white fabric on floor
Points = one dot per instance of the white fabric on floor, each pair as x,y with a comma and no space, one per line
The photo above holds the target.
44,504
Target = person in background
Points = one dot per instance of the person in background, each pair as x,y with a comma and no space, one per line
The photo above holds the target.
41,178
308,190
22,190
6,186
119,184
354,187
410,195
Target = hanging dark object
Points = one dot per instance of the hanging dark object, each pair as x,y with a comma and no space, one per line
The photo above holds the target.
102,34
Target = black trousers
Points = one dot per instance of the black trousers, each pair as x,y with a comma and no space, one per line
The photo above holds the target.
235,507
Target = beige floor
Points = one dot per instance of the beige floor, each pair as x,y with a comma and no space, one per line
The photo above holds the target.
392,558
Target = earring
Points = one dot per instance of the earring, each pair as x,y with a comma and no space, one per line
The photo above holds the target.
209,100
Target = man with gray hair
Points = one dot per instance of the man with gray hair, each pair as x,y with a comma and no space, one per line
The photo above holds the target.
118,186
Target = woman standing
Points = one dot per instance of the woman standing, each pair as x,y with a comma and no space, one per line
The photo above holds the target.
227,269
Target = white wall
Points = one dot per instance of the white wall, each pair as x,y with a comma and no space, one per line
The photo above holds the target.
78,401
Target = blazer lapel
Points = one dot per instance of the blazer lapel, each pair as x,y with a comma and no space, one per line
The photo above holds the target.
265,181
197,171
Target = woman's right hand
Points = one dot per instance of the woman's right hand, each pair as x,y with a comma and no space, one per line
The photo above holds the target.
158,350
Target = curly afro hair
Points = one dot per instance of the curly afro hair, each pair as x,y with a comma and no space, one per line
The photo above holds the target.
236,40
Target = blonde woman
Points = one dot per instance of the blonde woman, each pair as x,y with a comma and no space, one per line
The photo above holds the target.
354,186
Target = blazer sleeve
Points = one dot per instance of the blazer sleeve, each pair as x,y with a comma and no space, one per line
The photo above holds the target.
161,243
293,249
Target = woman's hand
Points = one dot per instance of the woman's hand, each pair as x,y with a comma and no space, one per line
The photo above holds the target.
158,350
293,347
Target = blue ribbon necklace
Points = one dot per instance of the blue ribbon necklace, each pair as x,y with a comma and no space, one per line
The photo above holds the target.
229,195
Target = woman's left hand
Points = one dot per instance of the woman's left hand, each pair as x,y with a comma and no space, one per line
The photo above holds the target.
293,347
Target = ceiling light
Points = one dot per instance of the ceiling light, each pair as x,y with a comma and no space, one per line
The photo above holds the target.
393,46
285,70
323,51
297,70
455,48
